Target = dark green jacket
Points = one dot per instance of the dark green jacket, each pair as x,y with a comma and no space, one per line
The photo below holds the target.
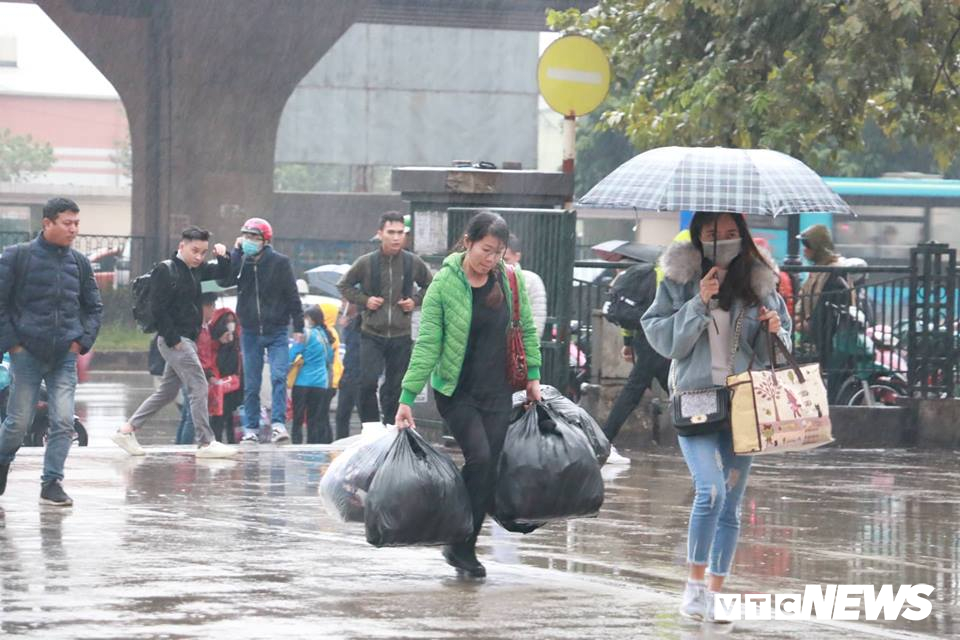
445,327
389,321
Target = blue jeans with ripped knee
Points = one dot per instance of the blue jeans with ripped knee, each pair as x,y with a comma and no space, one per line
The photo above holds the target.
719,479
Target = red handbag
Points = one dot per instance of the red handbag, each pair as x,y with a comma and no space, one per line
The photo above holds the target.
516,356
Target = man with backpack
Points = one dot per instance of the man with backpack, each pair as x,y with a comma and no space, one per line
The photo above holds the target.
631,293
50,313
169,301
267,303
381,284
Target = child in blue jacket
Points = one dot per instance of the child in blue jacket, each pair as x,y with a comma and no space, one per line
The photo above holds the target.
311,399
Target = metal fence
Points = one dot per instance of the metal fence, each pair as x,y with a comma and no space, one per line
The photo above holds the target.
116,260
853,321
113,258
888,332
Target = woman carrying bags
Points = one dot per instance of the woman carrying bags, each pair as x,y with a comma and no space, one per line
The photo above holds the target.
715,311
462,350
311,397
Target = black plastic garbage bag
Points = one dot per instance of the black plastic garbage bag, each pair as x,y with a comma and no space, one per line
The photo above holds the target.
547,471
571,412
346,483
417,497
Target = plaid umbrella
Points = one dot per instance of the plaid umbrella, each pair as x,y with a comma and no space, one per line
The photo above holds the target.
750,181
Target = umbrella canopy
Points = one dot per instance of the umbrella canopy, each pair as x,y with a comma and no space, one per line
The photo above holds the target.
324,278
616,249
715,179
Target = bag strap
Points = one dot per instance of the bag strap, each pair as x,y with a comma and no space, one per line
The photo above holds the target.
736,341
375,283
774,342
514,287
20,272
407,289
86,271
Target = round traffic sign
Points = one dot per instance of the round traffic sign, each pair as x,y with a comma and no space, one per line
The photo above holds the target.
574,75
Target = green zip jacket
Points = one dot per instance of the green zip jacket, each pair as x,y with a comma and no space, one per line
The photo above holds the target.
445,327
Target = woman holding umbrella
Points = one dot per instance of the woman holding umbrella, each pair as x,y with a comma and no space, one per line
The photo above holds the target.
714,312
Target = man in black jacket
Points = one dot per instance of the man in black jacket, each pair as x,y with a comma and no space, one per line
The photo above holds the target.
175,301
50,312
267,303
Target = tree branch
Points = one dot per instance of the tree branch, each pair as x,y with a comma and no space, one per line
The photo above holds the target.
943,62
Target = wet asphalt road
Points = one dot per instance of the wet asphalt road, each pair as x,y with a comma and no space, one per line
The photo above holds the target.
171,547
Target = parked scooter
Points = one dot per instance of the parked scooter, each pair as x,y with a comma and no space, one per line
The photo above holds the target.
873,357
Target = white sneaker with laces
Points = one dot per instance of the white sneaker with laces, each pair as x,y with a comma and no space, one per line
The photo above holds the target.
694,603
216,450
616,458
128,442
250,438
279,433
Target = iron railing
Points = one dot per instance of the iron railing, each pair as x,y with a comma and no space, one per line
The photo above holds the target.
932,336
893,324
118,259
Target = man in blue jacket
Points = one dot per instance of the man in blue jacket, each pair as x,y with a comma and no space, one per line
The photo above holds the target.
267,303
50,312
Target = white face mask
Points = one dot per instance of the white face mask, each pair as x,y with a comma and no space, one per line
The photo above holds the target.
231,326
727,250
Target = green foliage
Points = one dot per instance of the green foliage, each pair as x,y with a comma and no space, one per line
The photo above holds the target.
21,156
600,150
801,76
117,337
118,331
117,306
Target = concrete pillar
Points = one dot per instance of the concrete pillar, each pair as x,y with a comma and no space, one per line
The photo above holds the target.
204,83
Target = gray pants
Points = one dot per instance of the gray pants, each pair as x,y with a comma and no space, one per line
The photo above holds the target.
182,370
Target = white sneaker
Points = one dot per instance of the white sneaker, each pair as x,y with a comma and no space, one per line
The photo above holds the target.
279,433
616,458
709,616
250,438
216,450
694,604
128,442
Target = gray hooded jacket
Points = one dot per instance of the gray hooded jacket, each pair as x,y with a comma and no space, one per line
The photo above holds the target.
676,323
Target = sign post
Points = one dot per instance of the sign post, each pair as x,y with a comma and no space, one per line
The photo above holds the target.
574,78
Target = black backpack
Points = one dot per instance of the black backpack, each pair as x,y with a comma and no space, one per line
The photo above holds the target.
142,309
630,295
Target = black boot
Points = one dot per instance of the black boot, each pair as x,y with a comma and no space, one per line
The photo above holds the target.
4,470
462,556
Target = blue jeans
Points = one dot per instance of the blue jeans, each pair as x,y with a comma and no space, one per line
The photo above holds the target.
61,379
278,355
186,434
719,479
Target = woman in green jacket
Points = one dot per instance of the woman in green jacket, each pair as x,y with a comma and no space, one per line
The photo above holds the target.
462,349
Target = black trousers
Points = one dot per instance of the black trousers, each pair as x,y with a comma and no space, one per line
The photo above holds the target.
349,395
647,365
311,404
223,425
479,426
388,355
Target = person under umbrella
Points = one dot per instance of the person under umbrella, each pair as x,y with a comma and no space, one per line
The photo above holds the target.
717,299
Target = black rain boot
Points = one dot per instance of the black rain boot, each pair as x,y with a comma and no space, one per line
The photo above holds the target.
4,470
462,556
